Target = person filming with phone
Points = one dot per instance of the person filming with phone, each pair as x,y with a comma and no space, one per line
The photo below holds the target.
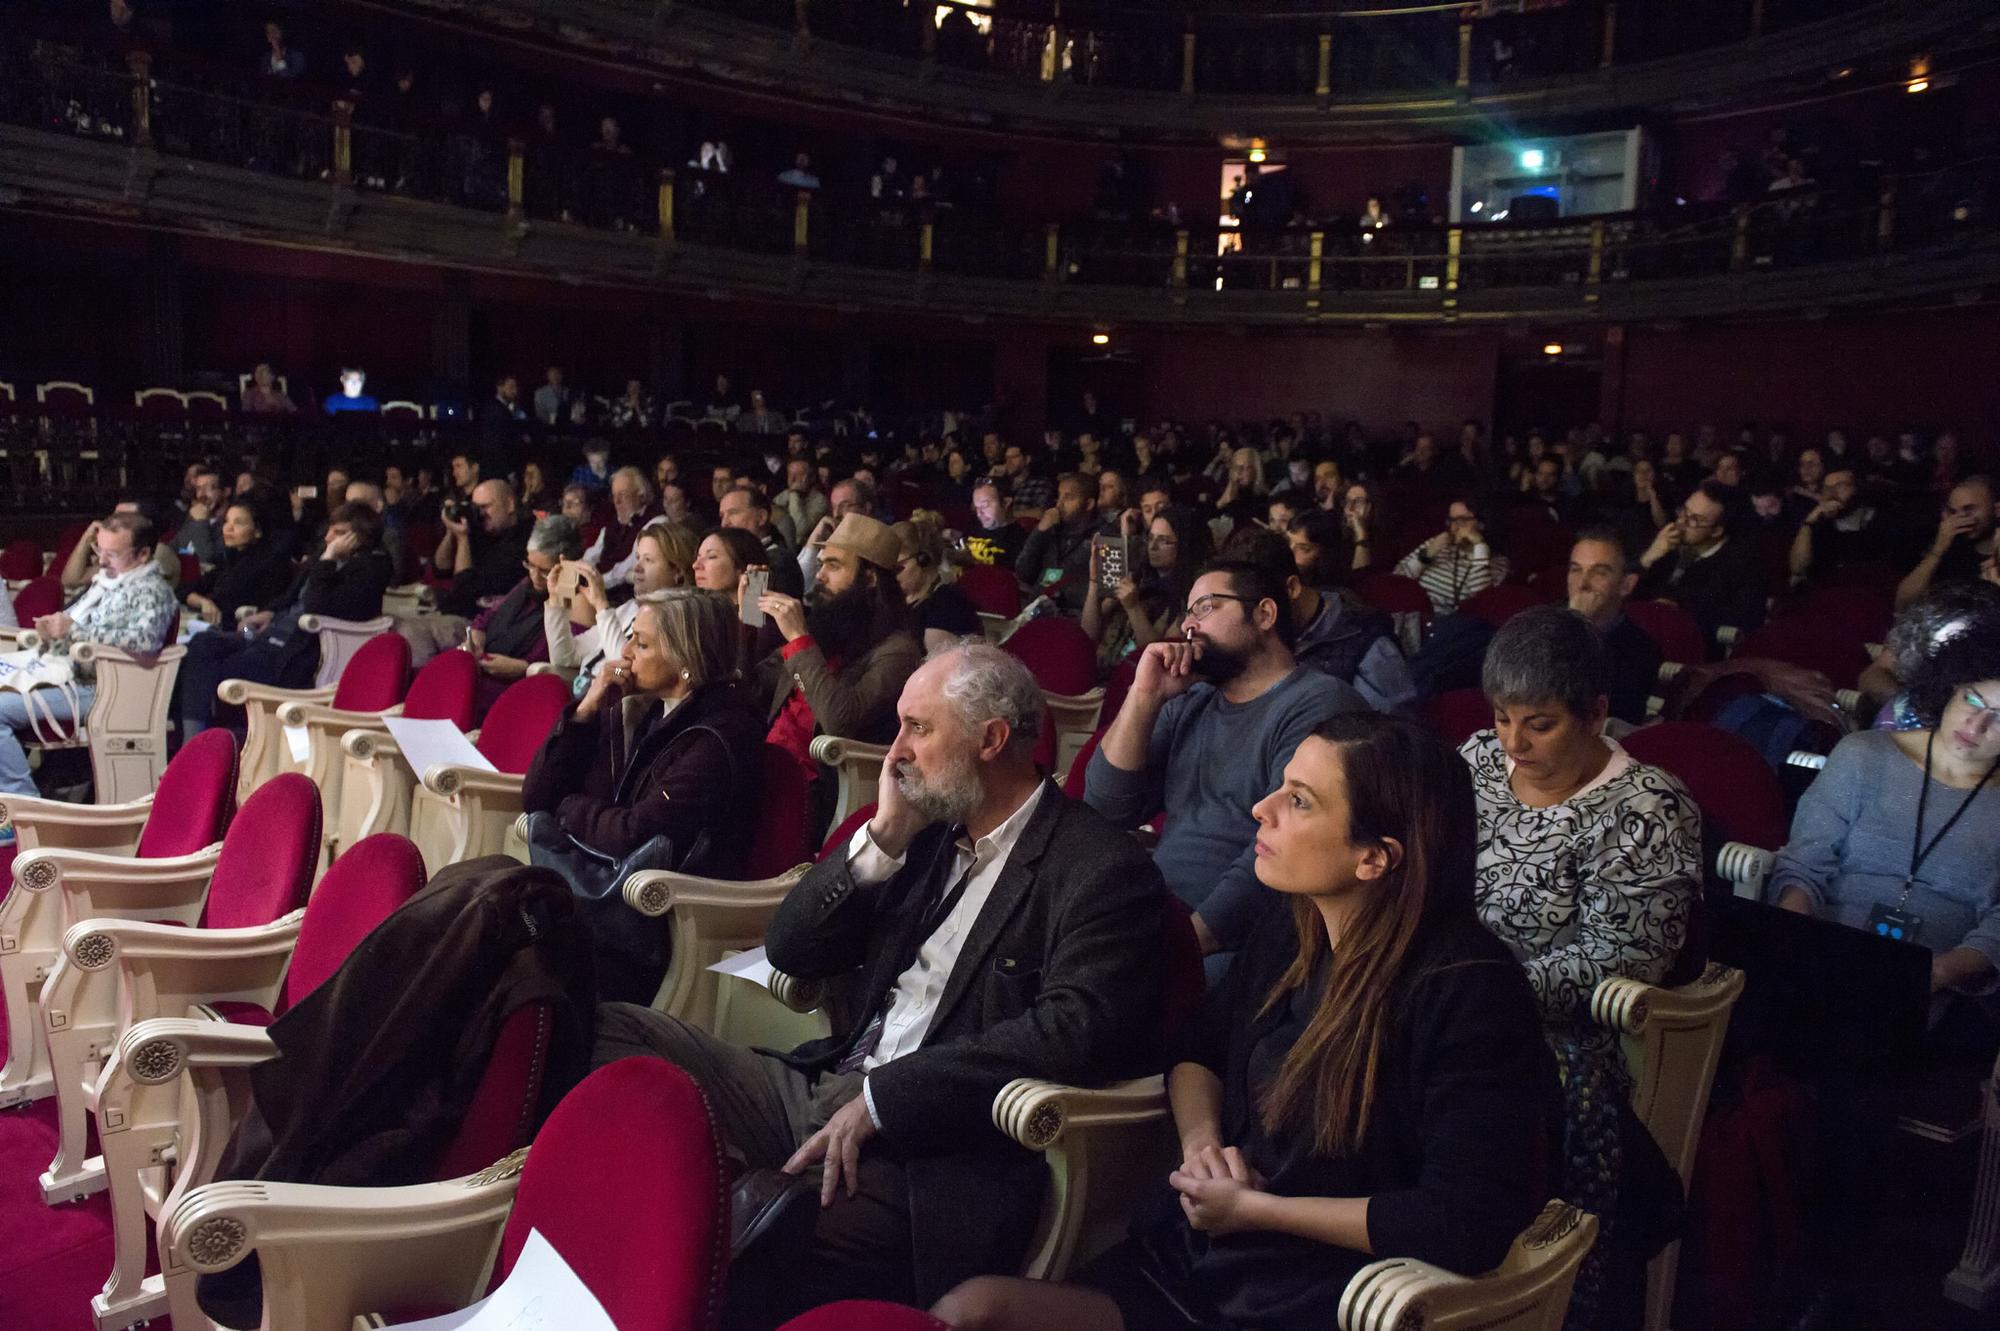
846,655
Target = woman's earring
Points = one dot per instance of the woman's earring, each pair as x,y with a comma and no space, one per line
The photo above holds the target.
687,675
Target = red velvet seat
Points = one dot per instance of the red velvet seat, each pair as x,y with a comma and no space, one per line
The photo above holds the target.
1835,649
781,823
376,676
1497,605
42,596
502,1113
361,889
1117,686
444,690
20,560
1672,629
844,833
195,800
266,866
991,589
520,719
1736,790
1059,654
1394,594
1073,779
1459,714
625,1181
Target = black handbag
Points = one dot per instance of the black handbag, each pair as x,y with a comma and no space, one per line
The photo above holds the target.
632,951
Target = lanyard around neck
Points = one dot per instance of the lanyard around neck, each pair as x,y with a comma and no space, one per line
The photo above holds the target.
1919,852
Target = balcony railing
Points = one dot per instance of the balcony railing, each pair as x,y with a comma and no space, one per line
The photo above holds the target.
1373,47
568,193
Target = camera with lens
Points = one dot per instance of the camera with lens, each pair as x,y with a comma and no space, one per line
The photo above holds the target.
459,510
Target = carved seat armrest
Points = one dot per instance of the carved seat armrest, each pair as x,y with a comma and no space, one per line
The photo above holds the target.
1038,1113
56,823
329,1254
1745,867
1531,1287
801,996
172,887
243,692
656,891
453,778
317,716
163,971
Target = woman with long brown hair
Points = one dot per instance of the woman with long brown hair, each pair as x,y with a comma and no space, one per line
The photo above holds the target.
1368,1081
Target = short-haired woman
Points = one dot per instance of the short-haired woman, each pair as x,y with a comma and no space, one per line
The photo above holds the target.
662,558
1588,866
1368,1081
666,742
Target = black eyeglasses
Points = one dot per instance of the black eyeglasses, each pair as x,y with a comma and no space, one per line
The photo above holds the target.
1203,606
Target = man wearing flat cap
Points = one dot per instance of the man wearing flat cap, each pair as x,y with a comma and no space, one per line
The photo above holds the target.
847,654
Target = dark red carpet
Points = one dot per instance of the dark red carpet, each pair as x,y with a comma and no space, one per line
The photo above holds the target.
52,1258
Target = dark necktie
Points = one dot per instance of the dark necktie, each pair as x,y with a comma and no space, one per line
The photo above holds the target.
934,915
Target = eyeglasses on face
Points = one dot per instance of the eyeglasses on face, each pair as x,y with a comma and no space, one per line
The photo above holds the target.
1201,607
1694,519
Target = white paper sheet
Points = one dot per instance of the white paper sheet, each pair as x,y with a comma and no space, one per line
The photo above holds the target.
541,1293
299,740
750,966
428,743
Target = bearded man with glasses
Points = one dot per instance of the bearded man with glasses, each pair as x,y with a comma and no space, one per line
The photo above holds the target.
1211,720
1696,564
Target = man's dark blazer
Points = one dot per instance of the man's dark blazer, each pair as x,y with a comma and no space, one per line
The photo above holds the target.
1059,978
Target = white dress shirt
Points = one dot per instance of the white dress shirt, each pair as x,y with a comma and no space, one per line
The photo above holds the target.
920,988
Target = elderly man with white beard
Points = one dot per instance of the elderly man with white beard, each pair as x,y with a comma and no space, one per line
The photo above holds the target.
997,929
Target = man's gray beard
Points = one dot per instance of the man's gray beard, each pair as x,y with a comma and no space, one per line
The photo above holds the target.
950,798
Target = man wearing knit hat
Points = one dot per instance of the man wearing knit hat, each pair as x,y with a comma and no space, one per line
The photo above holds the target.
846,656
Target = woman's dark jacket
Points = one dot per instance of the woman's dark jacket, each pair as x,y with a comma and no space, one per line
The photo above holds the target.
1455,1158
350,590
629,774
253,576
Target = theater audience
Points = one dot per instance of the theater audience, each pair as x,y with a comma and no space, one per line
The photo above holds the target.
1339,634
1900,833
997,540
943,614
666,743
1458,562
81,565
250,572
509,636
1055,561
856,495
127,605
345,581
1839,531
746,507
663,558
799,507
200,532
482,549
846,655
1963,542
1588,866
1697,563
262,396
1600,582
1211,719
1368,1082
999,930
632,508
1147,604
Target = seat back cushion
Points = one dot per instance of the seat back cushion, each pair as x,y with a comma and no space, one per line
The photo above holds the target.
643,1223
501,1115
196,797
781,824
370,880
444,690
844,833
266,866
376,676
520,719
1061,656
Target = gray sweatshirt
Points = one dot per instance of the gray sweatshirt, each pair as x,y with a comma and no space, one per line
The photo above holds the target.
1208,762
1850,848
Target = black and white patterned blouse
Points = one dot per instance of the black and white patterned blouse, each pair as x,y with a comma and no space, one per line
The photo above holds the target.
1596,886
